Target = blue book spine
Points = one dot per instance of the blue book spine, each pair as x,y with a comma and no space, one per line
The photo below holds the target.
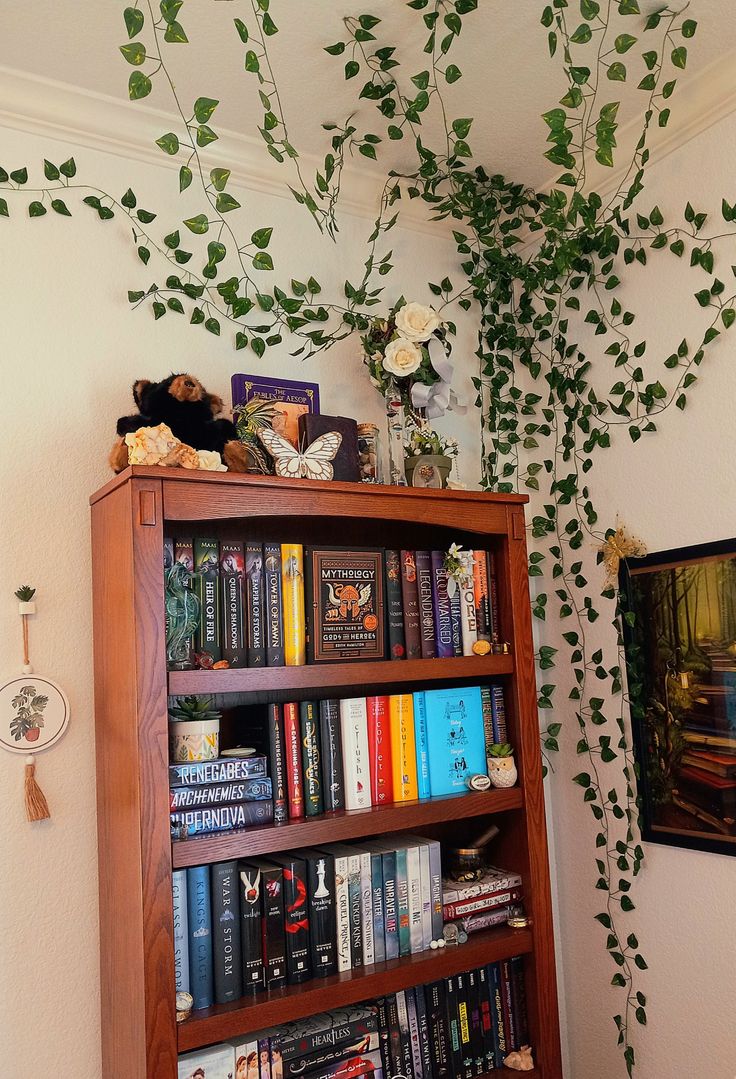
495,989
199,910
422,746
181,930
402,895
456,621
390,904
379,921
442,607
457,744
498,708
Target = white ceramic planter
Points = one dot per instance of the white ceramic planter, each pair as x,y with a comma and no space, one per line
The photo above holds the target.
502,771
196,740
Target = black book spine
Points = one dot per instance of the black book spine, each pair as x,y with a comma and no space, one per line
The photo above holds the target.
339,1031
206,570
428,641
394,1036
232,575
226,932
309,737
439,1031
394,608
255,605
425,1048
273,605
250,925
416,1055
463,1010
272,921
476,1029
277,760
508,1007
410,605
453,1026
518,997
407,1065
330,741
486,1020
296,920
322,919
383,1038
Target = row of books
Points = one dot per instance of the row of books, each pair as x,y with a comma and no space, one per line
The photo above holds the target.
706,780
456,1028
344,754
280,604
262,923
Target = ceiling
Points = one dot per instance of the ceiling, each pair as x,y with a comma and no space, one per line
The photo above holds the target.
508,78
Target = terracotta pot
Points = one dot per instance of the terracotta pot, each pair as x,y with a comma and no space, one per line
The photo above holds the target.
431,460
33,734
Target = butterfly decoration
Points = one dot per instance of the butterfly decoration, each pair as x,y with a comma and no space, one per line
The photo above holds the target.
618,545
313,464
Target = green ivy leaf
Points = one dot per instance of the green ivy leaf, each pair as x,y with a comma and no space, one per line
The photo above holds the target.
60,207
185,177
133,21
139,85
263,261
242,30
199,224
20,176
68,168
134,53
175,34
4,208
205,135
36,209
203,108
452,73
50,170
169,143
219,178
262,237
225,202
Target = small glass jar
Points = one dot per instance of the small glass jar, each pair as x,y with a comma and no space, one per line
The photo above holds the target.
369,453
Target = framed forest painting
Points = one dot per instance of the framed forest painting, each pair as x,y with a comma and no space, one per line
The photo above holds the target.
680,642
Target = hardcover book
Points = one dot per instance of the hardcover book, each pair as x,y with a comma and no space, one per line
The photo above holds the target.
365,1043
225,770
206,576
456,622
247,790
217,1062
493,970
226,932
482,600
438,1028
416,1056
403,747
341,856
292,602
322,923
423,1024
199,914
509,1018
296,916
330,739
346,605
423,561
181,930
441,606
469,626
290,400
293,752
277,757
311,778
255,604
273,605
316,1033
345,465
457,747
379,749
422,745
273,937
251,931
355,757
498,709
484,1003
518,997
184,553
232,576
394,606
410,604
188,822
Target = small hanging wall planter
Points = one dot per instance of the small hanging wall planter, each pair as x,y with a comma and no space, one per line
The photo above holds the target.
34,714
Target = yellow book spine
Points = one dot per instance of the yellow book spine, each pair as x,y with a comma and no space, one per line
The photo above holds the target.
292,598
403,747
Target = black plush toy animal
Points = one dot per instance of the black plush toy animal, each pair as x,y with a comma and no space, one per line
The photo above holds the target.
183,404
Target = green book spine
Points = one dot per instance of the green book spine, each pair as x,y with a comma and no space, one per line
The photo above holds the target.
309,736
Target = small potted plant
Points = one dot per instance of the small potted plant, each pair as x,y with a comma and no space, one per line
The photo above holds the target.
428,449
501,765
194,733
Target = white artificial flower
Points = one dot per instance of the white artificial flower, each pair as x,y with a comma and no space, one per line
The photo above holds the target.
401,357
416,322
211,461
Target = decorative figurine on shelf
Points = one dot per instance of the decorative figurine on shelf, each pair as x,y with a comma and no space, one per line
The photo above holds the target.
255,415
313,464
182,617
521,1060
178,408
428,457
501,765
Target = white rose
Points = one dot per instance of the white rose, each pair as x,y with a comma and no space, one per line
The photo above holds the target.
401,357
211,461
417,322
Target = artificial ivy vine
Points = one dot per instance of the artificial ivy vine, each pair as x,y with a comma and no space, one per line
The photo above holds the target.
560,365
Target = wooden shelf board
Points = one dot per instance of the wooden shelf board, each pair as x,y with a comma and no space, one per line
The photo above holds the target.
324,675
331,827
298,1001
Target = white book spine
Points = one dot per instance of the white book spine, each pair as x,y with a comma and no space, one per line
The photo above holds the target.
435,869
468,623
181,930
354,730
366,908
342,912
413,873
426,895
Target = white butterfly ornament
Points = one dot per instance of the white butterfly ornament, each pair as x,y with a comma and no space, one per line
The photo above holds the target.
313,463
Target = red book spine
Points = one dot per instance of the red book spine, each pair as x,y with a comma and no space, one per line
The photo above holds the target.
292,738
379,750
480,903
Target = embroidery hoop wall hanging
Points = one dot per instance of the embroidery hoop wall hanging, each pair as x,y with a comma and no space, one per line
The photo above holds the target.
34,714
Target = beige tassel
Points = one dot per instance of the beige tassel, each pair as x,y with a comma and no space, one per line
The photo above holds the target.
37,808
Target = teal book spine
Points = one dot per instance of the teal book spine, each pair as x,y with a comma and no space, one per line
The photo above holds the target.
199,911
391,904
456,736
422,746
402,896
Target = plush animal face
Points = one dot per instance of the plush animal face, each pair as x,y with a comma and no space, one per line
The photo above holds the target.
164,398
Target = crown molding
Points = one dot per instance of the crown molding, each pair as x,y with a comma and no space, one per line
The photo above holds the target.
36,105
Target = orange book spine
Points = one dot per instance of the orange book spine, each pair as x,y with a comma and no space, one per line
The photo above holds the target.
403,748
292,598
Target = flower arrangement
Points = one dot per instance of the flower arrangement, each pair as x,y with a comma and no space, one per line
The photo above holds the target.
423,440
407,354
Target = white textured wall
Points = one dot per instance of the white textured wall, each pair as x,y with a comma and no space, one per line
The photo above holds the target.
70,352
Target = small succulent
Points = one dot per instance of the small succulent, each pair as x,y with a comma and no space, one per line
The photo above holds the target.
25,593
193,709
501,749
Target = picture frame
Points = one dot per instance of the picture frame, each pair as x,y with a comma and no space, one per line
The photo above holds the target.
679,619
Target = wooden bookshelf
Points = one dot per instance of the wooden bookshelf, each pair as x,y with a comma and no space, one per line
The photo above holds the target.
130,517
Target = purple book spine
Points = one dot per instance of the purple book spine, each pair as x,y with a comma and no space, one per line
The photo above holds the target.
441,604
